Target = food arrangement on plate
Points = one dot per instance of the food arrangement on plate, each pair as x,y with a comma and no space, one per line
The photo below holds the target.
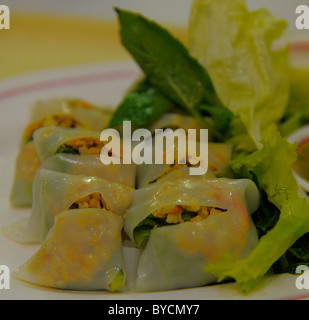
247,215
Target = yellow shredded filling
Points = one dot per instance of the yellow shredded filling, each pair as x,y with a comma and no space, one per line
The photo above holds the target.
86,145
93,200
62,121
174,214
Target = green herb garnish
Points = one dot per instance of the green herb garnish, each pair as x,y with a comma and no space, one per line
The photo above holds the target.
67,149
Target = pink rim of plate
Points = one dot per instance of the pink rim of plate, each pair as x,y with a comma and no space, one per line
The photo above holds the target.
69,81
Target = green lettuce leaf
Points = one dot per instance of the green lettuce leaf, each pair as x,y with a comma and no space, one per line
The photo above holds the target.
297,112
235,47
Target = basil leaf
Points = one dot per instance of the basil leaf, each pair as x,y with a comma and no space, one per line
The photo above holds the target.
166,62
142,106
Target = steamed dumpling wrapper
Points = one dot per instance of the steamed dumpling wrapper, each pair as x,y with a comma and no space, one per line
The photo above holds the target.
185,224
82,251
63,113
219,155
52,140
77,151
55,192
26,164
91,165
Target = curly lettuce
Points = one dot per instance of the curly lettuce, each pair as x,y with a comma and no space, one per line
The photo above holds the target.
297,111
235,47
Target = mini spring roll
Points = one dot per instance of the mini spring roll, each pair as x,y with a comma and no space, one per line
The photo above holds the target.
91,165
80,150
55,192
183,225
26,164
82,251
63,113
219,155
49,141
174,121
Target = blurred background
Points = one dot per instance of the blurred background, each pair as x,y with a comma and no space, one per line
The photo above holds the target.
49,34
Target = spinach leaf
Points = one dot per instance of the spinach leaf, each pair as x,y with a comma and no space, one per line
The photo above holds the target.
166,62
141,106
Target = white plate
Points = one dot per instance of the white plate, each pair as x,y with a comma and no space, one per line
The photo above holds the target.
104,85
